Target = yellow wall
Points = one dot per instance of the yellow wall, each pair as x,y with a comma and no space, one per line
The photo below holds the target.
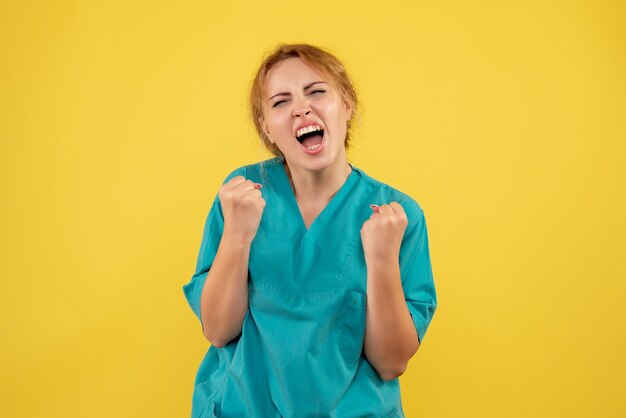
119,120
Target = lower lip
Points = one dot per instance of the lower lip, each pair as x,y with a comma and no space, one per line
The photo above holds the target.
315,151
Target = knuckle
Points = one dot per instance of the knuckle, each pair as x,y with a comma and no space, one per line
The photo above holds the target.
235,181
397,206
226,194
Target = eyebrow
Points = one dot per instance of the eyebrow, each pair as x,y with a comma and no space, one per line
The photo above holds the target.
308,86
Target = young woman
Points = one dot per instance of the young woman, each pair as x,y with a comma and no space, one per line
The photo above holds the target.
313,282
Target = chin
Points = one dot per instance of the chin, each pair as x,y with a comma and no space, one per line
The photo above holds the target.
319,162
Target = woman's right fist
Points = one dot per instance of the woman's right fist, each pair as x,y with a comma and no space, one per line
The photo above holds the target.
242,206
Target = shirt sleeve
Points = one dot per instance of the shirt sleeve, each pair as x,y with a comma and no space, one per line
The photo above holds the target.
211,237
213,229
417,276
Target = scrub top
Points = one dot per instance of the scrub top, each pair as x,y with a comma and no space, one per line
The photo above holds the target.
300,351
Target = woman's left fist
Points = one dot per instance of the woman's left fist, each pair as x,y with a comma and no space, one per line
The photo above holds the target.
382,233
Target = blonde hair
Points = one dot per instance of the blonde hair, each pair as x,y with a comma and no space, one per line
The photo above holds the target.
321,60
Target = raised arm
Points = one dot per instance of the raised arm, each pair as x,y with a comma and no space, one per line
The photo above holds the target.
218,291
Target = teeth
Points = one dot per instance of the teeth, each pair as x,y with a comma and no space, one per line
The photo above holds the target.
314,147
307,129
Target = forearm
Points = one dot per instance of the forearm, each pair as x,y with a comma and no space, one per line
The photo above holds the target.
224,300
390,336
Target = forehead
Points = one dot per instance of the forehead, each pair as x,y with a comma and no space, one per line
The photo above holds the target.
292,72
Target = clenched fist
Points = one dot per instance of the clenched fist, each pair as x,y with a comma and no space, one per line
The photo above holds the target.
242,206
382,233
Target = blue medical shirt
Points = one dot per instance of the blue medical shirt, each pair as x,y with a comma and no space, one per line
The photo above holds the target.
300,352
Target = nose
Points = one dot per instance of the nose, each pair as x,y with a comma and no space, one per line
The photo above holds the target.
301,108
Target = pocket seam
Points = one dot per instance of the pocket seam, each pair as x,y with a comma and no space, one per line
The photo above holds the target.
355,304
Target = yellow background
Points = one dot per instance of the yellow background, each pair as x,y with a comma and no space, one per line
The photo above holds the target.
504,120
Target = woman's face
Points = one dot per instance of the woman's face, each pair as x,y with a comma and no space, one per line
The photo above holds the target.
297,95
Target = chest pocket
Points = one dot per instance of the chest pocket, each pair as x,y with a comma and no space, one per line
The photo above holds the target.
353,327
317,262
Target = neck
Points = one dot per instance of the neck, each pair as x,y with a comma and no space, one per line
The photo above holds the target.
318,187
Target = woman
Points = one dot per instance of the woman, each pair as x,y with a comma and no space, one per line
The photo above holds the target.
314,300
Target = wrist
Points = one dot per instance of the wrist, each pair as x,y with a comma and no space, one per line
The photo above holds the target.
382,263
236,238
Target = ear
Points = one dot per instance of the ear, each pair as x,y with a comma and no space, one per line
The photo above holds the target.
266,130
349,109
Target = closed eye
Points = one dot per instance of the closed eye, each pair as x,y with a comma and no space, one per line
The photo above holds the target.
282,101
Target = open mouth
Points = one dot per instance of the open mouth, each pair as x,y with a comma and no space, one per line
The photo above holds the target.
312,140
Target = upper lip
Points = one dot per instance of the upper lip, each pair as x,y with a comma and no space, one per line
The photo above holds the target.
304,124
